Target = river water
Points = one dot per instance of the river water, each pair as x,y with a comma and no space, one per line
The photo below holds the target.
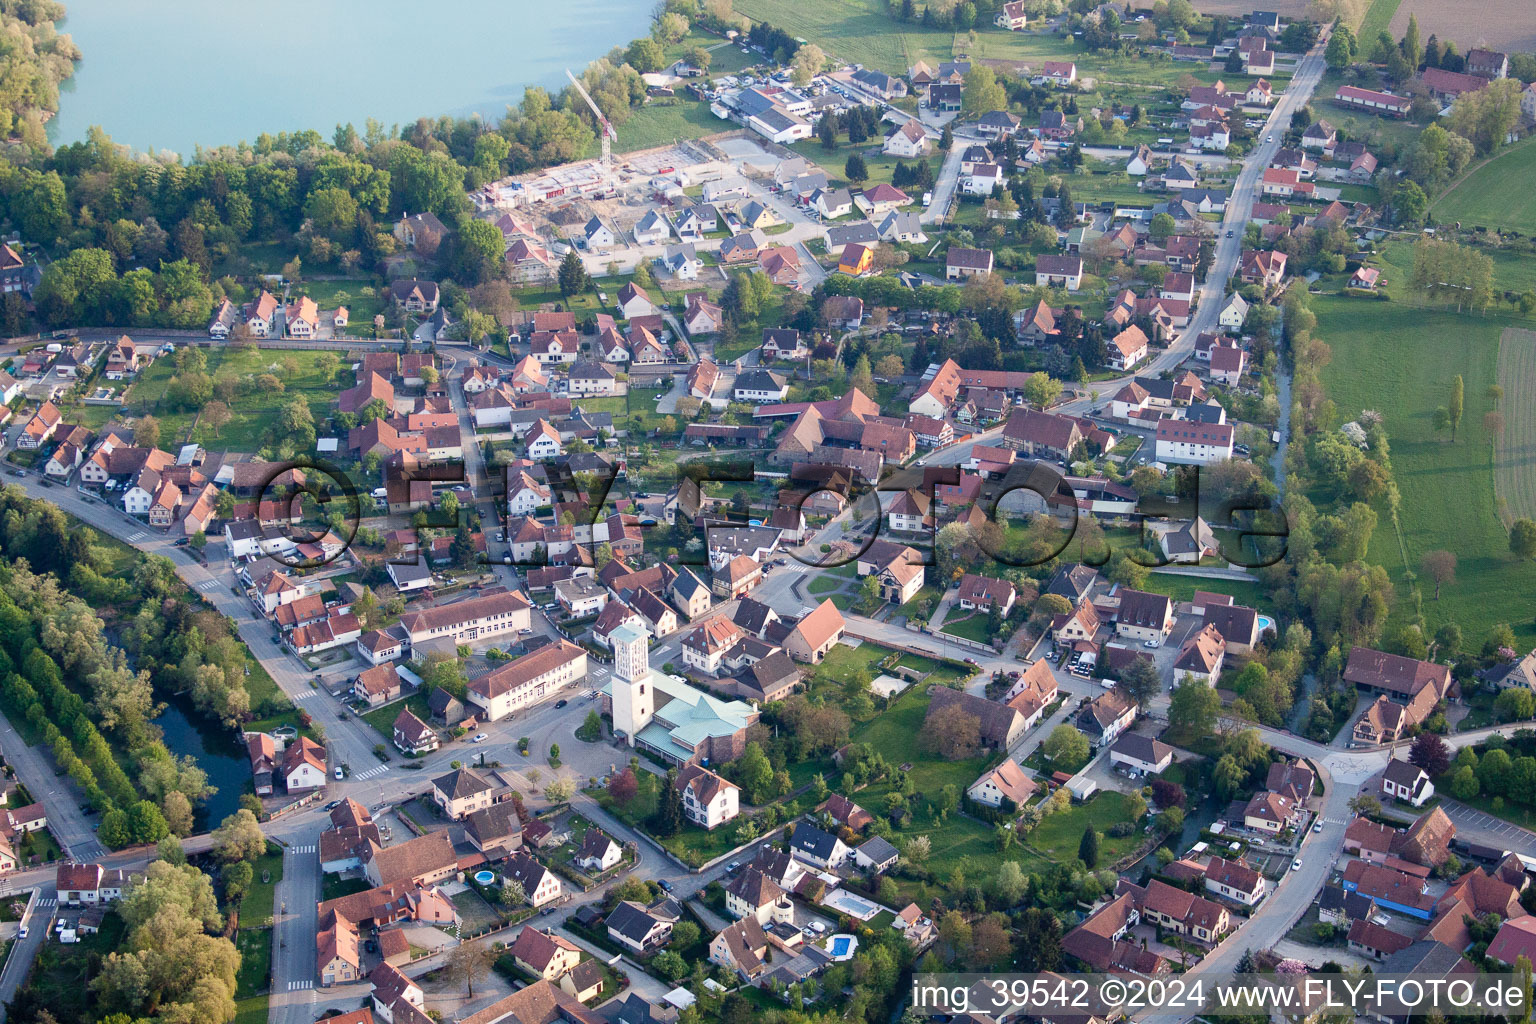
215,751
174,74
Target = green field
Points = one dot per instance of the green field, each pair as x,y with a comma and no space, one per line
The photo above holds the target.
661,122
1515,472
1182,588
1512,272
253,412
1378,17
1496,195
833,161
362,298
1394,358
858,31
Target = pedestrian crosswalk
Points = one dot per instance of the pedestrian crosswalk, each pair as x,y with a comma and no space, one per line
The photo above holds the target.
371,772
302,849
297,986
208,585
134,538
48,901
305,694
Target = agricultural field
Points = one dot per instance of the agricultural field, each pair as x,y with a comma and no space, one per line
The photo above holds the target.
1497,194
1497,24
253,413
1392,358
1514,473
1378,17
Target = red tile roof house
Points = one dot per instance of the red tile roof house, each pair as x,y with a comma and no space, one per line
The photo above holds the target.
1183,912
983,593
1100,943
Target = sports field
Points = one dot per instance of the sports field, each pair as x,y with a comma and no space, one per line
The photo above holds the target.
1394,358
1514,475
1496,195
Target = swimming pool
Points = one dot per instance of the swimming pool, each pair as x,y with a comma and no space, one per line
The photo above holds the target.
841,946
1265,622
485,877
847,903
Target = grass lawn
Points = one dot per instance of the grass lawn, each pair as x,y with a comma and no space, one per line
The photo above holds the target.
253,412
843,661
1392,357
383,719
971,627
255,975
1058,835
475,914
258,902
692,845
1182,588
824,585
661,122
361,296
833,161
1497,194
335,887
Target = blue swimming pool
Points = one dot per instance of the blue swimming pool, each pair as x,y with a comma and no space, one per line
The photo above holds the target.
1265,622
485,877
841,944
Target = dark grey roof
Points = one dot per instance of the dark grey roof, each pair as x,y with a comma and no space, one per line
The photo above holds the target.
817,842
769,673
861,233
1351,904
493,823
1142,748
759,380
461,783
878,850
1072,581
1204,412
631,921
752,616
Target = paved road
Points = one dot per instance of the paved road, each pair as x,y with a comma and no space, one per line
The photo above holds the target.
1245,191
34,767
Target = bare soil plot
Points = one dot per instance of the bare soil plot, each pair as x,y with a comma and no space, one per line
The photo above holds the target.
1514,477
1497,24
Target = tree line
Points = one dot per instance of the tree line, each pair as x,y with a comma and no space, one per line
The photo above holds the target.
94,701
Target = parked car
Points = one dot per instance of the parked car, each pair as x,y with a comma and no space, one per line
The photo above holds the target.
480,737
340,774
1296,864
560,704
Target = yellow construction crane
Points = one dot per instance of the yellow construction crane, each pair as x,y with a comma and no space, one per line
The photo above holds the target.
605,126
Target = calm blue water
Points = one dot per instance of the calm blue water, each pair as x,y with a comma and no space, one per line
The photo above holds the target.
215,751
173,74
